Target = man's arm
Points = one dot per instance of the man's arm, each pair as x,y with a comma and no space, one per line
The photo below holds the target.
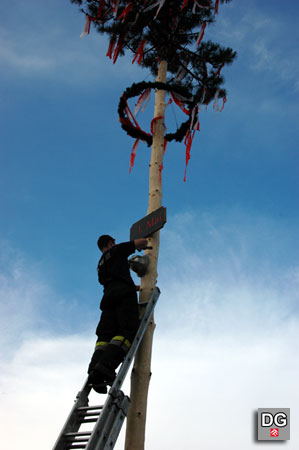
140,243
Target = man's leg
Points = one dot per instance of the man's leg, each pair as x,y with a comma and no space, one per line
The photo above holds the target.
105,331
126,316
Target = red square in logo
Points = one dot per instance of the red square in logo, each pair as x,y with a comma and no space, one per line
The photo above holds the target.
274,432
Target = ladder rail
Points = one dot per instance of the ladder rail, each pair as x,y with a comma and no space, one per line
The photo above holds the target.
73,421
109,424
119,420
150,305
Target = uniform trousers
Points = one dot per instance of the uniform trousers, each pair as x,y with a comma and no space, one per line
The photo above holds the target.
119,318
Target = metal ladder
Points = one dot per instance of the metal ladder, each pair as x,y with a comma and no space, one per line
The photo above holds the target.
108,418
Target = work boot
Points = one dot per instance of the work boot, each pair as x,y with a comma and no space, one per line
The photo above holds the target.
111,359
96,357
97,381
100,388
95,378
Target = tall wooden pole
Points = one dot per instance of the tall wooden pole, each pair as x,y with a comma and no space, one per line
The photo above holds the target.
141,373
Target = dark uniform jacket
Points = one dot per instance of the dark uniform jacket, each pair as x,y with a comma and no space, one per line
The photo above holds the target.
114,274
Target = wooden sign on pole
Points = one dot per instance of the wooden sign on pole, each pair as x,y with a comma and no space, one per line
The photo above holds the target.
148,224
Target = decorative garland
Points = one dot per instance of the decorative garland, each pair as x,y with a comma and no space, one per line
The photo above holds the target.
131,126
180,95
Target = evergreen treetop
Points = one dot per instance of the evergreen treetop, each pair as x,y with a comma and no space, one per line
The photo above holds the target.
171,31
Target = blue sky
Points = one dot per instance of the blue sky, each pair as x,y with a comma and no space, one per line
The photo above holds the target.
227,319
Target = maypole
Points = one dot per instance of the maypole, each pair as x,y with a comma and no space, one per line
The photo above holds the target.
141,373
166,37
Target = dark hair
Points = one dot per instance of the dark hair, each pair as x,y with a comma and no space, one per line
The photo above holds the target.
104,240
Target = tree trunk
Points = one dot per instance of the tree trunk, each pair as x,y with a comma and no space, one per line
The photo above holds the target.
141,373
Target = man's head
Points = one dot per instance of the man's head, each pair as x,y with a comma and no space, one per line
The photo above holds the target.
104,241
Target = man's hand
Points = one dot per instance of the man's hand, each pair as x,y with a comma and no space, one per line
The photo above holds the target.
140,244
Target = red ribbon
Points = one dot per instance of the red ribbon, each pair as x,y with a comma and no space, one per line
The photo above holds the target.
161,165
215,104
125,12
87,24
101,6
179,103
89,19
115,6
133,154
144,97
139,52
194,125
131,115
216,6
86,28
201,33
184,4
224,101
188,142
111,47
118,48
153,123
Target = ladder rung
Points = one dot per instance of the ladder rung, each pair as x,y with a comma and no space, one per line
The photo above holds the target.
92,414
89,408
78,434
77,440
89,420
77,446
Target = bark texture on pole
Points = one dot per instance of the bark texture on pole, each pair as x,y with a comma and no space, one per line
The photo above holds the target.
141,373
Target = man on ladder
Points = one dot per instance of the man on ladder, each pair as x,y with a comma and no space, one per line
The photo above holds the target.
119,319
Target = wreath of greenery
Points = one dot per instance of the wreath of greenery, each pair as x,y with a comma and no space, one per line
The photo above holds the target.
137,89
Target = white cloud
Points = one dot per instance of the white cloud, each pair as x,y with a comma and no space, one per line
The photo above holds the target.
225,344
30,62
211,389
21,293
263,42
60,55
29,306
38,386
